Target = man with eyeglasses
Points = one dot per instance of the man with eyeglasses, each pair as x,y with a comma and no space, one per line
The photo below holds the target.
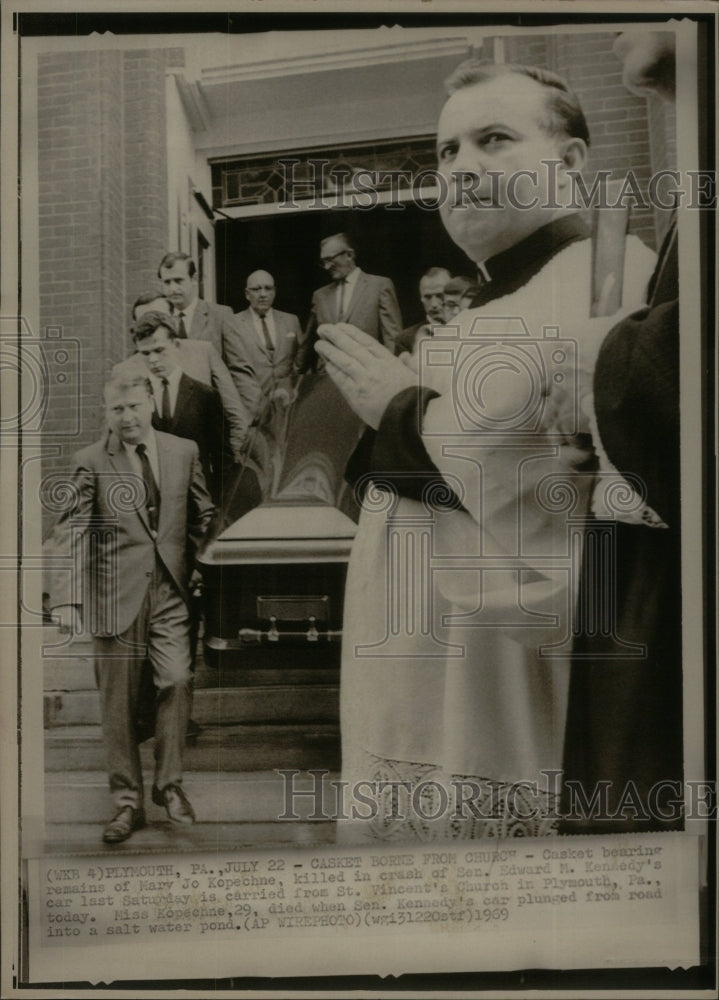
266,337
367,301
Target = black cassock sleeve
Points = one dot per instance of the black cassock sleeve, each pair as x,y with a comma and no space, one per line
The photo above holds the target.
636,400
394,456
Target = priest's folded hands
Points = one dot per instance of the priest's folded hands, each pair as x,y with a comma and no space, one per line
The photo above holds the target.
364,371
369,376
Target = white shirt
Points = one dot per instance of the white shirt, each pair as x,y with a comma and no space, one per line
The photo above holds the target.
131,449
270,321
173,385
348,288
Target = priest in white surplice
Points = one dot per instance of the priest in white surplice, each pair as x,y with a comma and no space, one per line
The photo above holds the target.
461,578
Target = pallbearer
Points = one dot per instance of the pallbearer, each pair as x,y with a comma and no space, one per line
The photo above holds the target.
140,509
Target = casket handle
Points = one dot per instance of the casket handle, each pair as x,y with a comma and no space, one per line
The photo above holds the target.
255,636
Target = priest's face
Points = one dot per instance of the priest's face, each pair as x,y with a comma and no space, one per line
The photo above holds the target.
488,134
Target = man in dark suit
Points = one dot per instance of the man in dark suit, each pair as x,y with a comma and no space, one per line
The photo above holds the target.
199,360
431,293
182,405
201,320
140,509
367,301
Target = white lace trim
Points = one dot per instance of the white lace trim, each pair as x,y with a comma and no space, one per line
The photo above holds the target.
420,802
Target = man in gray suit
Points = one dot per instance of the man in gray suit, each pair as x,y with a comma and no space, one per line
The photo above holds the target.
201,320
265,337
141,508
268,339
367,301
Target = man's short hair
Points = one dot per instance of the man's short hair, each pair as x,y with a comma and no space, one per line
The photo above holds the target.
565,113
153,321
436,272
458,285
170,259
126,383
145,299
349,243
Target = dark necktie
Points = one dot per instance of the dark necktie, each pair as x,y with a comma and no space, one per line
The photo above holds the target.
266,334
152,502
342,299
166,412
181,331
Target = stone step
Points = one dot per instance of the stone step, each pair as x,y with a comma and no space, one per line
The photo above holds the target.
79,675
162,837
253,797
221,706
71,667
224,748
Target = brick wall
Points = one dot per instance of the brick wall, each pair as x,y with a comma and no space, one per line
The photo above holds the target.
663,150
146,223
79,194
102,166
618,121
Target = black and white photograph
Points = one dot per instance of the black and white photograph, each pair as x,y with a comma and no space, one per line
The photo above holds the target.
357,443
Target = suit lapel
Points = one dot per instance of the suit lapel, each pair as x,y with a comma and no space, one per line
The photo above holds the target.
357,296
199,320
120,462
251,341
282,347
170,472
185,390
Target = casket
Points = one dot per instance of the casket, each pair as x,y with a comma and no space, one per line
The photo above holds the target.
274,586
274,580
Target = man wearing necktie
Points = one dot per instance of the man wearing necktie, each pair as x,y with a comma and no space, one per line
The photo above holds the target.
199,360
206,321
183,405
368,301
120,563
267,338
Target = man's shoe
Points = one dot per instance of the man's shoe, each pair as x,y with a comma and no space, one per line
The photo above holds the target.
123,824
175,802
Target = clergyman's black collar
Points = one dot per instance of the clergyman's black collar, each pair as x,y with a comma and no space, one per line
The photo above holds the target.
512,268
